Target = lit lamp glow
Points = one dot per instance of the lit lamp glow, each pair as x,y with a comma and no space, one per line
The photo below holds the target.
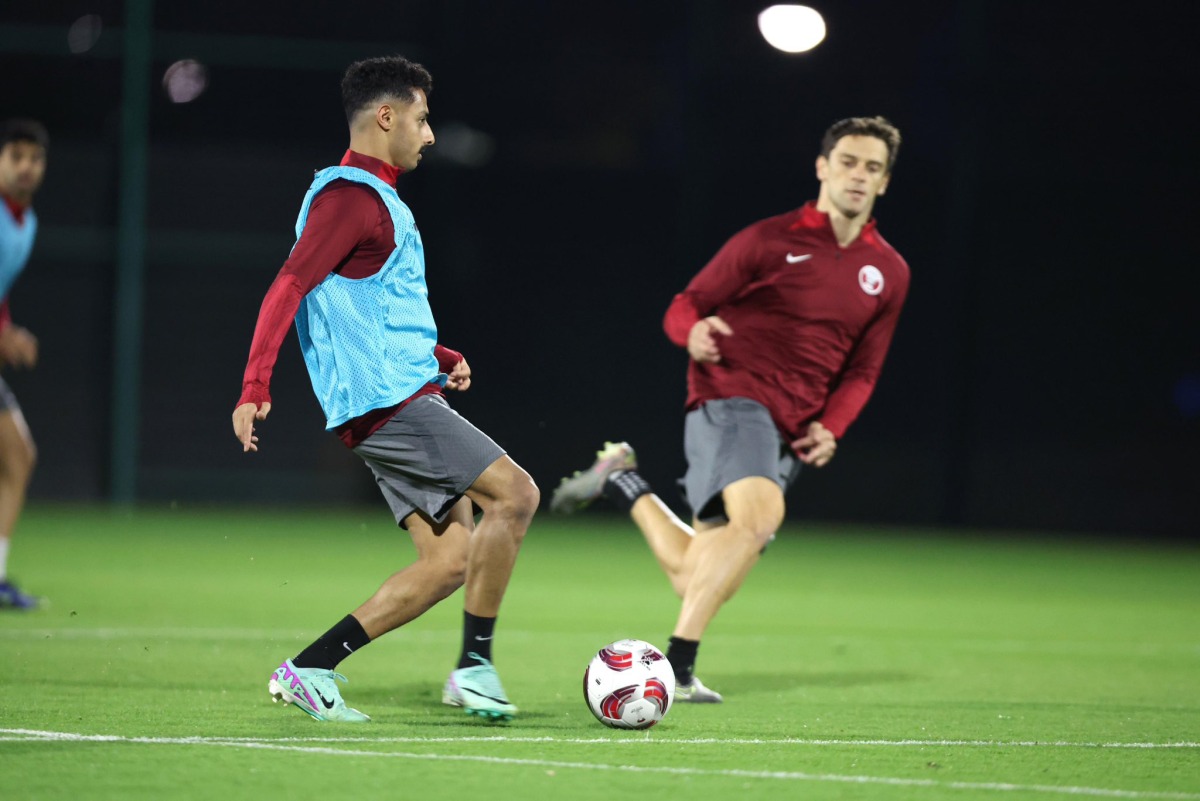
792,29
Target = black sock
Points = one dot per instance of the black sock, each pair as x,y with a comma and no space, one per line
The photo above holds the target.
682,656
477,639
334,645
624,487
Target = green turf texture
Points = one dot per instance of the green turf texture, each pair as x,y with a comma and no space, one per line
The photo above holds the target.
855,664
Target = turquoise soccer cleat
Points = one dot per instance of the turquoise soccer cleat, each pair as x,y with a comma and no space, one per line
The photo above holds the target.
313,690
477,690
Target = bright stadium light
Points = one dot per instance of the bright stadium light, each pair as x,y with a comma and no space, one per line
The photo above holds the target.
185,80
84,33
792,29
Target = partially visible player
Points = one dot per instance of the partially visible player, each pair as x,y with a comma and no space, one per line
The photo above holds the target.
355,286
23,146
787,328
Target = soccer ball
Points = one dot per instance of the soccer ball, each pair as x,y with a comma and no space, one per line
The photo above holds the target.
629,684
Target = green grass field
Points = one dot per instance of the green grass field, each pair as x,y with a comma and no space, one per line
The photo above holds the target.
856,664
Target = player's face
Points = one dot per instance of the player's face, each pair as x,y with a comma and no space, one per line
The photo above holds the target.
22,167
410,132
854,175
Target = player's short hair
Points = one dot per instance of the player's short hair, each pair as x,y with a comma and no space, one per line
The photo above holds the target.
374,80
24,130
877,127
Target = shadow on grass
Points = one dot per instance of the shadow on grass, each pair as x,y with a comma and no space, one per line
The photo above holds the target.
421,705
763,683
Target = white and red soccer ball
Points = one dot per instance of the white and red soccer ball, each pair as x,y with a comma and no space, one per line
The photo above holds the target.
629,684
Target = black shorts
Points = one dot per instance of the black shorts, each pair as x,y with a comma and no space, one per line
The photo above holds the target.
8,401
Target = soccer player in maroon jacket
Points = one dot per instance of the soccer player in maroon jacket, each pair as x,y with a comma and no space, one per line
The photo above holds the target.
787,328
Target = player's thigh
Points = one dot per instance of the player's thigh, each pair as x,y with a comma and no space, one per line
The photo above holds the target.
16,443
447,540
504,480
726,441
426,457
755,503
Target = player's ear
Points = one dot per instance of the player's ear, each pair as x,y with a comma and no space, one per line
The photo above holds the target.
822,168
385,116
884,185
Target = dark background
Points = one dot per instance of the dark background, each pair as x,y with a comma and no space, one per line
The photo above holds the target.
1045,374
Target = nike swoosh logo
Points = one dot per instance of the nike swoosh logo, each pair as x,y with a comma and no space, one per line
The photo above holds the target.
482,639
482,695
328,704
346,645
797,259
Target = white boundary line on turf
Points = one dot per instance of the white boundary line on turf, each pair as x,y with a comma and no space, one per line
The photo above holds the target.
632,739
1099,792
439,635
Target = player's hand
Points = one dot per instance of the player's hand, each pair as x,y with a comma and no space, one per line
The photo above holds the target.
459,377
817,446
243,423
18,347
702,340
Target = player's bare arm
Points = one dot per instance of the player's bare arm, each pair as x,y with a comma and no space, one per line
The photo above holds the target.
459,376
702,342
18,347
243,423
817,446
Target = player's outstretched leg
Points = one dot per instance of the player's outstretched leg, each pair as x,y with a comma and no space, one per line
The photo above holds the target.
313,690
615,476
12,597
477,689
17,457
577,491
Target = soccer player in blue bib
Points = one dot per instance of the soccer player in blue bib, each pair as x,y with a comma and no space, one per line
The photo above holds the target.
354,284
23,145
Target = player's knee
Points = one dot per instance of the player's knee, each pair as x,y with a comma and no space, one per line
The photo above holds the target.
761,524
530,498
522,498
450,574
443,571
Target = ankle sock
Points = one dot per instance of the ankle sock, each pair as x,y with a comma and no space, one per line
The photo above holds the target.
346,637
624,487
477,639
681,654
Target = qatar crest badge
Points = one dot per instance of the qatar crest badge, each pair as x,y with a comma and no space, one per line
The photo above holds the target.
870,279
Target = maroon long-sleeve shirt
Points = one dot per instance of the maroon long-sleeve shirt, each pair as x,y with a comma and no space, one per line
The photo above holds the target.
811,320
349,232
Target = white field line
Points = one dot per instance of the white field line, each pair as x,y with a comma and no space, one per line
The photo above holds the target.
276,635
160,633
631,739
1098,792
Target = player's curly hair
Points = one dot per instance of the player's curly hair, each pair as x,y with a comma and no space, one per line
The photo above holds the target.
374,80
877,127
24,130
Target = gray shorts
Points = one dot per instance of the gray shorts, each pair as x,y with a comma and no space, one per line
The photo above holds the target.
426,457
8,401
727,440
